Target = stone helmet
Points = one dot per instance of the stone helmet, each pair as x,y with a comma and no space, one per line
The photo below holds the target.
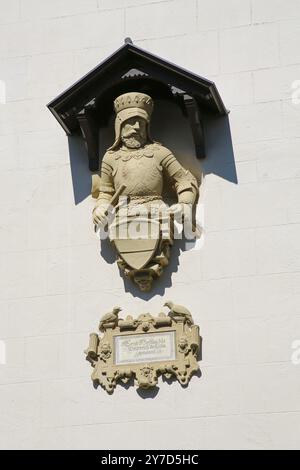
130,105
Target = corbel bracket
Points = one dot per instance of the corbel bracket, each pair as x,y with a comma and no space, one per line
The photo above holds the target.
192,111
90,133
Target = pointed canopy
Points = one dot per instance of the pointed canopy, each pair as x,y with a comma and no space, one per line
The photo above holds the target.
130,65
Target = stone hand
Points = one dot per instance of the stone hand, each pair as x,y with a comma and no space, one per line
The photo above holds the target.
100,215
180,208
176,209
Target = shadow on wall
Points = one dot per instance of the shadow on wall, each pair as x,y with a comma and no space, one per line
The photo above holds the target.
170,127
219,151
81,175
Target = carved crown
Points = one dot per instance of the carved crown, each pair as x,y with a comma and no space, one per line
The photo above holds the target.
134,100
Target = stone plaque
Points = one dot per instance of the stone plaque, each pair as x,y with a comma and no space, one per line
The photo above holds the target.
144,348
136,349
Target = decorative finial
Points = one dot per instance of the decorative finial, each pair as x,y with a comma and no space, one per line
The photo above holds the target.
128,41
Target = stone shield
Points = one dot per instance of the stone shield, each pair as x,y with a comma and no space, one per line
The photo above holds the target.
136,240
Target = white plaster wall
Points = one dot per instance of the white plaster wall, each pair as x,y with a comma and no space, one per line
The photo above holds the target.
243,285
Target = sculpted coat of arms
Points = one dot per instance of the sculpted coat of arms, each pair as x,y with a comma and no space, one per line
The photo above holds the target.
133,172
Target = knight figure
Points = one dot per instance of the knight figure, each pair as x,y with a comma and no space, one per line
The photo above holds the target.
136,167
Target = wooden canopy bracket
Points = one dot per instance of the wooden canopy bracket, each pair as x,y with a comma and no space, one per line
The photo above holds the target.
196,124
90,133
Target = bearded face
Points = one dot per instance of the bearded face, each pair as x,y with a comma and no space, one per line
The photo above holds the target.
134,133
144,280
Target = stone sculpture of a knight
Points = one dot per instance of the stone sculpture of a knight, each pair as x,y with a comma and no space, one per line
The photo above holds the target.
134,169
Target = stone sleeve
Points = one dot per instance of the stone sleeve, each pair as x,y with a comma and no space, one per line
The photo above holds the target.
107,189
184,182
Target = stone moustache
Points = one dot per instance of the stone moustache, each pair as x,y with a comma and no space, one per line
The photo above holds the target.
135,167
144,348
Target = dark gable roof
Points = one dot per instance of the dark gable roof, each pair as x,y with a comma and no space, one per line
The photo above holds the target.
109,76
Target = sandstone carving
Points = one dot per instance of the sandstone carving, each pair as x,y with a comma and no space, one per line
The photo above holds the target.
132,176
144,348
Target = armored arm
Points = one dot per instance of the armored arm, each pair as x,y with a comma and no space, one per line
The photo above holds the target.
106,191
184,182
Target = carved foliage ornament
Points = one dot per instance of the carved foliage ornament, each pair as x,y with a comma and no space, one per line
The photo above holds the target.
144,348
